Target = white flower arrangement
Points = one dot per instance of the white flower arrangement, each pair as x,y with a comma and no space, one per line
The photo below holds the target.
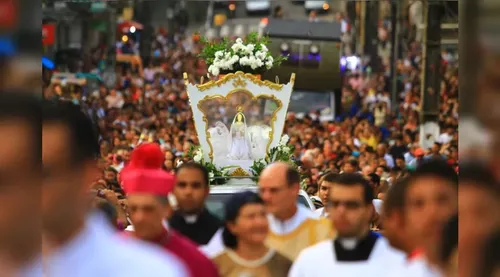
280,153
216,175
249,55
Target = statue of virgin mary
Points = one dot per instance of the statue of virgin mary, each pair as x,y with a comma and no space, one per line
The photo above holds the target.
239,146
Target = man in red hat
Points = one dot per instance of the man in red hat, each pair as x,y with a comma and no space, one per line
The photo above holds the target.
147,192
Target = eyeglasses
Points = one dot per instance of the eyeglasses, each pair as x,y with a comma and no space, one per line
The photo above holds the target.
348,204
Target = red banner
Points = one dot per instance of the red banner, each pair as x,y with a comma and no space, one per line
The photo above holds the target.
48,34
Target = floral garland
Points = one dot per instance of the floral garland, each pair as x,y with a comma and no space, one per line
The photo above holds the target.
216,175
249,55
280,153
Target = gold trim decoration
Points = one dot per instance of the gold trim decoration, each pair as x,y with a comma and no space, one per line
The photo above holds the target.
239,83
186,79
234,76
226,98
239,172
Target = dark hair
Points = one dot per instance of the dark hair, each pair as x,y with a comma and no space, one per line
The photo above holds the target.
292,176
23,106
330,177
232,210
192,165
356,179
479,175
395,198
449,240
491,256
353,162
83,142
435,168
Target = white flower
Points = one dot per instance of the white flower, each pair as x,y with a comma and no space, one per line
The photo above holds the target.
286,149
219,54
211,175
249,48
198,156
269,65
179,163
239,41
284,140
260,55
270,59
262,162
214,70
263,48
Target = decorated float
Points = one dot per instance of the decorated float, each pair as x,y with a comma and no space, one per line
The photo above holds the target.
238,116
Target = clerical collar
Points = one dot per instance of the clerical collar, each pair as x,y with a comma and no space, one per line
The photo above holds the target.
191,219
353,249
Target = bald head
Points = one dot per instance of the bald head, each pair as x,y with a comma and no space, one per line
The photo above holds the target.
281,171
279,185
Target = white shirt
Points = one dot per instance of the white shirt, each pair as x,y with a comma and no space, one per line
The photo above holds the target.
320,258
415,268
99,251
216,245
444,138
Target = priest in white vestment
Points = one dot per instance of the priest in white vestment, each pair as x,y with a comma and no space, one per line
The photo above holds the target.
292,227
356,251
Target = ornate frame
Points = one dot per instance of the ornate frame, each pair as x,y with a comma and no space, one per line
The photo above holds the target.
229,84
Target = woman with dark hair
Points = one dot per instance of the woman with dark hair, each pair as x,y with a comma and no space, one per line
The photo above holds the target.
244,236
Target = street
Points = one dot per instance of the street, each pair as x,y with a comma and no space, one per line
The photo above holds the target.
242,24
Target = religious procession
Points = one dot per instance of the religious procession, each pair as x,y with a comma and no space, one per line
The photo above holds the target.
246,139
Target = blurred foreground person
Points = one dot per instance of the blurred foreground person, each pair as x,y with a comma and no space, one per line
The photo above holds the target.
74,243
20,242
292,226
449,248
191,191
244,238
393,220
490,265
147,192
430,201
479,209
356,251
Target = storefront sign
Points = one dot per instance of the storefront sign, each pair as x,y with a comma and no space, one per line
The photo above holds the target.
48,34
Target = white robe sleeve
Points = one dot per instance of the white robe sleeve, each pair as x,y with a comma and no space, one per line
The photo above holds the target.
215,246
299,267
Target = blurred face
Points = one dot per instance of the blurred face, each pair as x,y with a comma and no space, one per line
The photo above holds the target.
110,176
348,211
479,214
323,192
379,171
278,196
367,170
348,168
20,196
147,213
431,201
190,190
394,230
251,225
66,184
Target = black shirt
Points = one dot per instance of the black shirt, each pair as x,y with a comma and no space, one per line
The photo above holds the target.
201,230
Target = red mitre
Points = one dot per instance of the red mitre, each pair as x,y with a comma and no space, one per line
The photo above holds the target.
148,181
145,156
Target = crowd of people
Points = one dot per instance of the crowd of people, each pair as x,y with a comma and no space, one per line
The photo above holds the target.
367,171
